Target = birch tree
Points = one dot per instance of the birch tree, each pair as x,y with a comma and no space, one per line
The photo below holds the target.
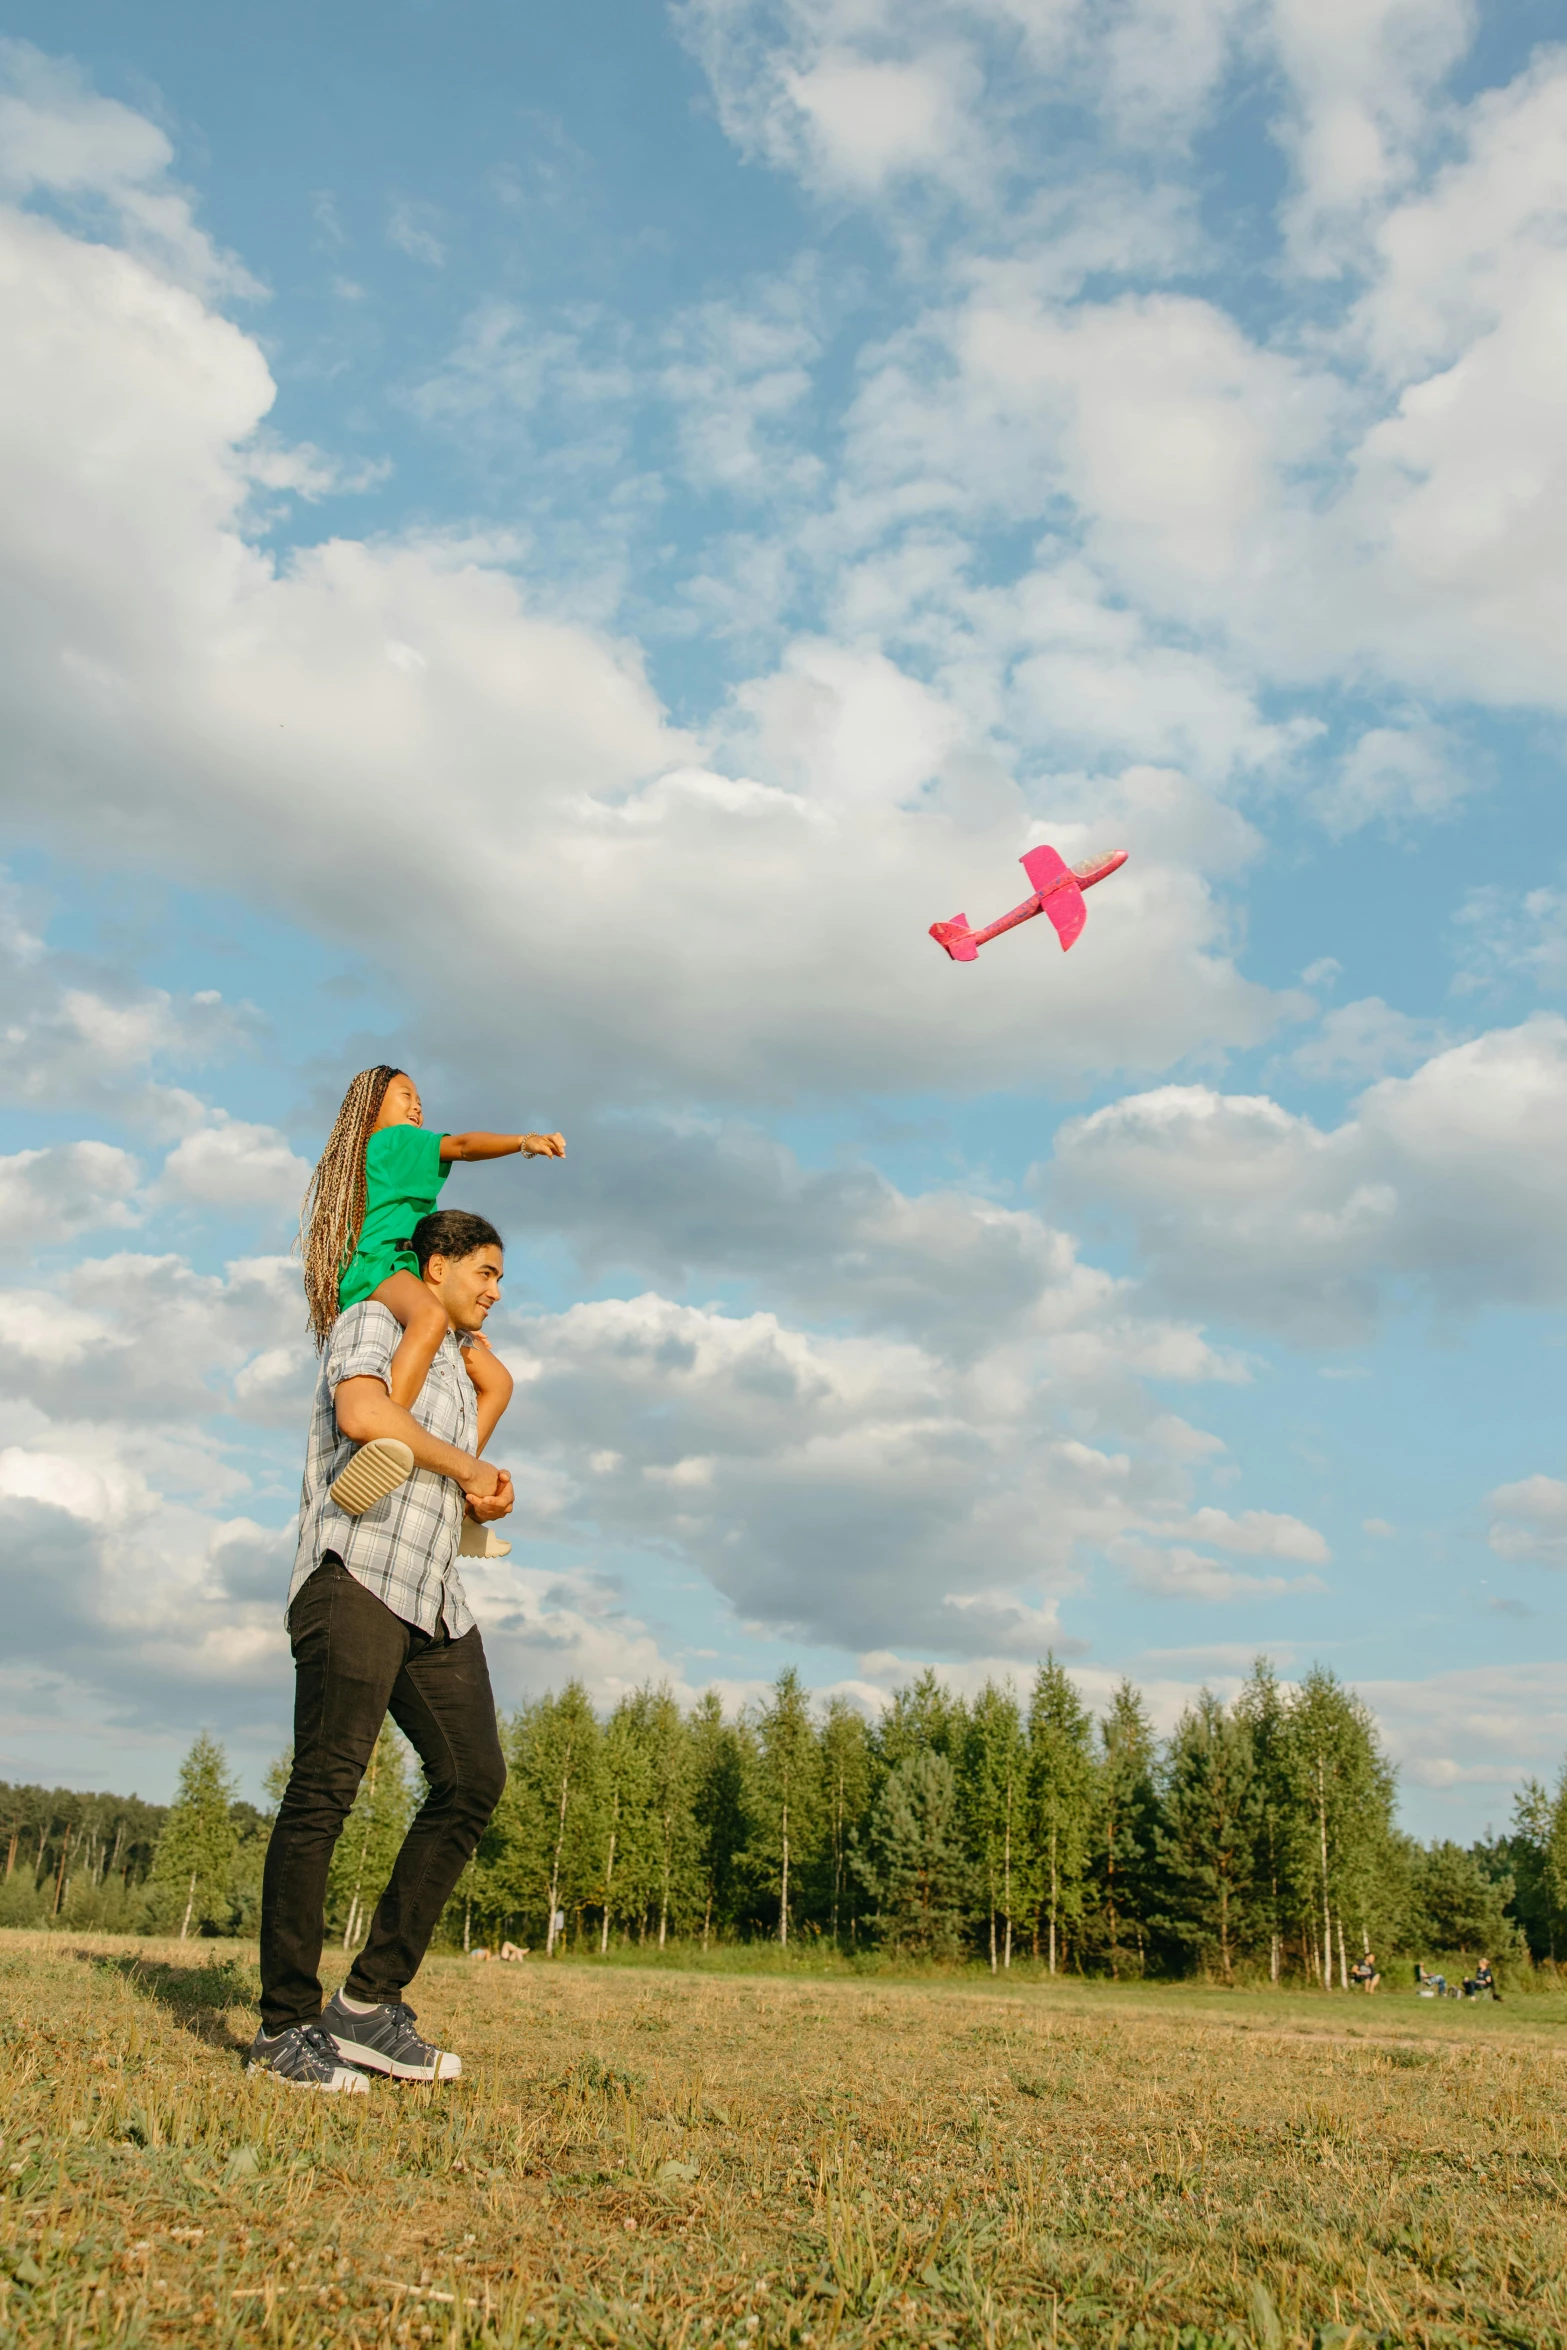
1061,1794
994,1789
372,1833
786,1795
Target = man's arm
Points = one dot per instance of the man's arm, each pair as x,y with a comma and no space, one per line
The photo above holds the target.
364,1409
501,1146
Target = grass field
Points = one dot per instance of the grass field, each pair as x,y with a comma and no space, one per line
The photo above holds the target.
682,2159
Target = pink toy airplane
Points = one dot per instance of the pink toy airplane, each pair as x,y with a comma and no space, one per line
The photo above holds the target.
1058,892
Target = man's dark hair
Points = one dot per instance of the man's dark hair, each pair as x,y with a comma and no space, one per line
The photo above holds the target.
452,1232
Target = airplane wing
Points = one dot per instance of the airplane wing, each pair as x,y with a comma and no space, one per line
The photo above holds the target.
1060,898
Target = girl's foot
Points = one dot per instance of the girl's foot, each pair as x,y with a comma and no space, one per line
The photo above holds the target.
479,1543
376,1470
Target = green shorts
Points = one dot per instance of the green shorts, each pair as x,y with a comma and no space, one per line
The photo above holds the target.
365,1272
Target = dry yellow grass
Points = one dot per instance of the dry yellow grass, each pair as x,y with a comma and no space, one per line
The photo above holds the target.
676,2159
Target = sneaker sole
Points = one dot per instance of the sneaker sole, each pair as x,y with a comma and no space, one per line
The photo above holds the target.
479,1543
445,2068
376,1470
346,2082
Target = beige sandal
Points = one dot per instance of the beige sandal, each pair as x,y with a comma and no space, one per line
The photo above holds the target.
479,1543
376,1470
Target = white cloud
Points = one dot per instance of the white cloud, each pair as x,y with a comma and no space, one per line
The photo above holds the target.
50,1195
1529,1521
800,913
1445,1179
1507,934
866,123
1185,1574
1259,1534
58,137
1394,775
1364,1039
1482,1726
408,230
234,1166
1361,75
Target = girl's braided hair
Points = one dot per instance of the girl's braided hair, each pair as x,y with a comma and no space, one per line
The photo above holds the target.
333,1208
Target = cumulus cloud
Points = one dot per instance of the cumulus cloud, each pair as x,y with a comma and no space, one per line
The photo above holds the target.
1182,1573
328,689
235,1166
1443,1180
1482,1727
59,137
1529,1521
1367,1038
51,1195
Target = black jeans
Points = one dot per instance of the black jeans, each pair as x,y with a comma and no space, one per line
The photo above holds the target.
355,1662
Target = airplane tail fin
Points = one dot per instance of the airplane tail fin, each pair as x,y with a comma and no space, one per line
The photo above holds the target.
957,939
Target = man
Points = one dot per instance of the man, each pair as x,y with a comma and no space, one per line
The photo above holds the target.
378,1623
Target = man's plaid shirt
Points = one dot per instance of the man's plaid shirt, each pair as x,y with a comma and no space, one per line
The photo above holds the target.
405,1548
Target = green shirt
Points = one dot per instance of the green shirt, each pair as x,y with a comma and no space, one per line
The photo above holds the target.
404,1172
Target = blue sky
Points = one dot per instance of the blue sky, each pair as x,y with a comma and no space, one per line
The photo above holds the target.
550,549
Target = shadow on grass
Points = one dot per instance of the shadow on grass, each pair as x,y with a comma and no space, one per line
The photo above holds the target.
198,1996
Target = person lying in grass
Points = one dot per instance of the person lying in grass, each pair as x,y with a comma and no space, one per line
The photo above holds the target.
381,1171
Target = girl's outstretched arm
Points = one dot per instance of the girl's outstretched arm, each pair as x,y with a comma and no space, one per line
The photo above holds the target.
492,1383
502,1146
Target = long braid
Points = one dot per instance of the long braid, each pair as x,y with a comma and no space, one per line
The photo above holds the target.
333,1209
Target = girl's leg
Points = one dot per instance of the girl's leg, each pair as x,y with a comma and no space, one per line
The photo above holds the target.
493,1385
424,1326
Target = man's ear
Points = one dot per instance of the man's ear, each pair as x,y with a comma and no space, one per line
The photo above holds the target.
435,1265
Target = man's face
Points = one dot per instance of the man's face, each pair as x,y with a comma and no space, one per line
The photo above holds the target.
467,1286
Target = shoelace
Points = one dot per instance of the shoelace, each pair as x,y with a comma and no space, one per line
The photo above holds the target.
316,2040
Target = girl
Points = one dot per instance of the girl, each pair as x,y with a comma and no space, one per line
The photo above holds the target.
380,1172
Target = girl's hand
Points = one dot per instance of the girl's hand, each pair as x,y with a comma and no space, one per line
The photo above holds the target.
544,1146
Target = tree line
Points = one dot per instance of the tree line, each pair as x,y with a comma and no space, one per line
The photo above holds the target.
1258,1841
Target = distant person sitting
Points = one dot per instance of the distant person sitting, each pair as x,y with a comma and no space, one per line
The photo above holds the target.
1482,1983
1363,1974
1429,1986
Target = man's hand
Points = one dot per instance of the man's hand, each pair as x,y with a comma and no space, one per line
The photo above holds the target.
498,1504
544,1146
484,1483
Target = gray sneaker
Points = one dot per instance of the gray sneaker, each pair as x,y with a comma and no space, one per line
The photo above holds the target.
384,2041
305,2058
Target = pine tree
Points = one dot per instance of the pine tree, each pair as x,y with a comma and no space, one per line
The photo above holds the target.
1061,1796
1460,1908
372,1834
1124,1825
915,1863
785,1803
190,1872
994,1808
921,1718
846,1787
1208,1832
